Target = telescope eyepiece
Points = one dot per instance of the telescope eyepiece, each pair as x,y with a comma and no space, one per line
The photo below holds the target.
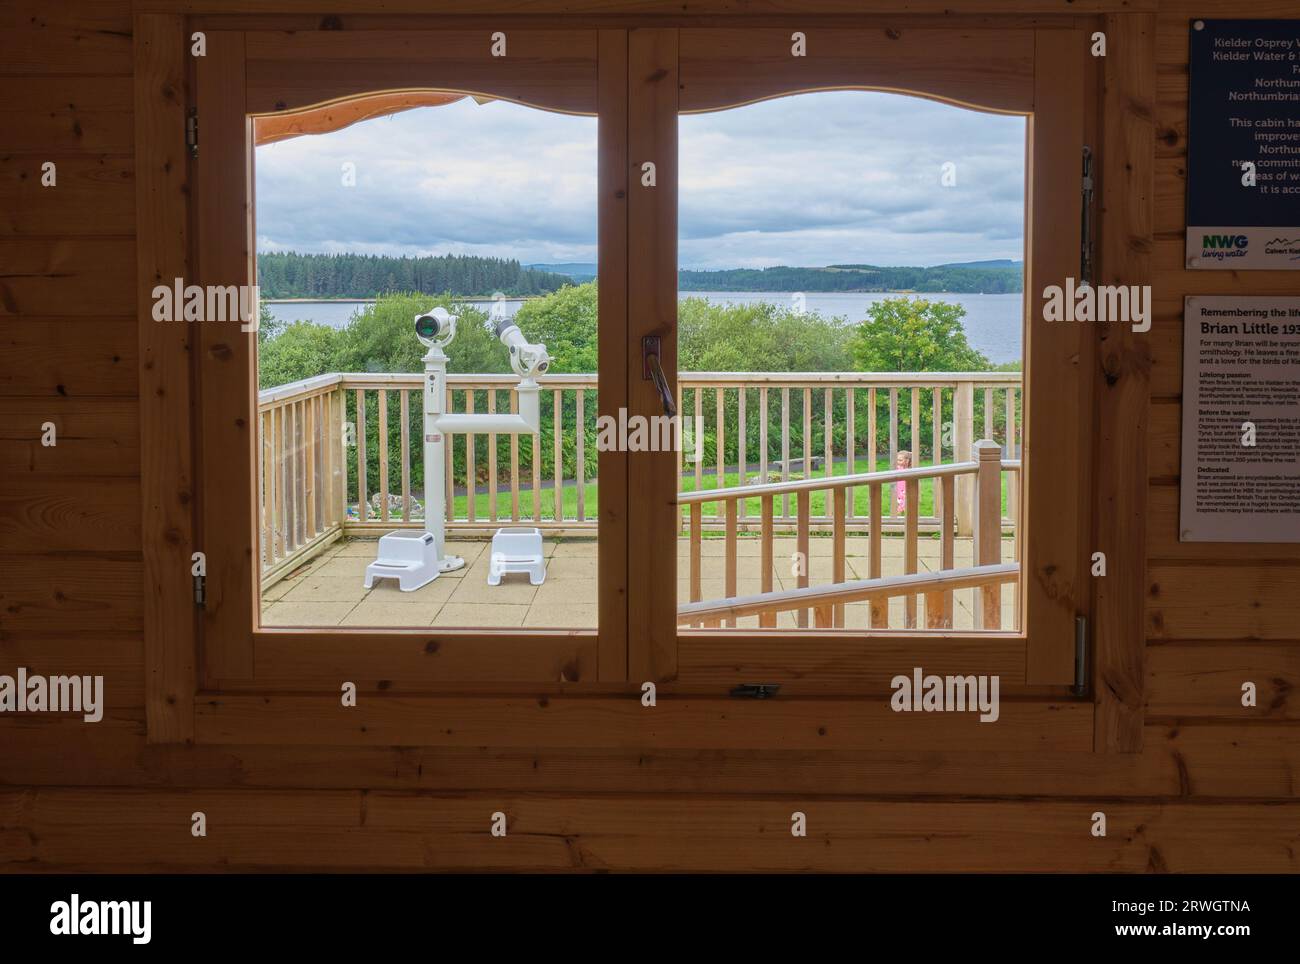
435,327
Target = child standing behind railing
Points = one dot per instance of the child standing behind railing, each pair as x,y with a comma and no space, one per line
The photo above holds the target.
904,461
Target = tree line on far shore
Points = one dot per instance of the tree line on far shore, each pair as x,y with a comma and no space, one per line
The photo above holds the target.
903,334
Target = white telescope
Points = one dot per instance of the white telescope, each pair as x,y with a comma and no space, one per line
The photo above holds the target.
417,558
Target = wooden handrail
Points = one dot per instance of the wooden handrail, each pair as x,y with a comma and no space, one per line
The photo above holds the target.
856,379
861,590
689,379
826,483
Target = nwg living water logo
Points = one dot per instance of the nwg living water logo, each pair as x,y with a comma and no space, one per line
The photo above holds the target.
1219,247
75,917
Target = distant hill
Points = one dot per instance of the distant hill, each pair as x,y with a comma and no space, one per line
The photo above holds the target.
292,275
1000,263
579,271
978,277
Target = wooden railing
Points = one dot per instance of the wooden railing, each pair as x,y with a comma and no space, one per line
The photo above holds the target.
342,452
985,471
303,485
826,601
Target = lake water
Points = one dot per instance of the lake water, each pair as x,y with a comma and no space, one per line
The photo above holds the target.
994,323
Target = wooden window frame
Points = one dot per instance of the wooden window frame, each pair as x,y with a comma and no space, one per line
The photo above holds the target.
236,697
1040,73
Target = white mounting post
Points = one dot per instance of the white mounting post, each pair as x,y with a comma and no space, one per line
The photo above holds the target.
436,330
416,560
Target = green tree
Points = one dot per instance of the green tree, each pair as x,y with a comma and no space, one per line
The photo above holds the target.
914,335
760,337
566,323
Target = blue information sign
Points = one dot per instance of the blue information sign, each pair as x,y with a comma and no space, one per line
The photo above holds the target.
1243,145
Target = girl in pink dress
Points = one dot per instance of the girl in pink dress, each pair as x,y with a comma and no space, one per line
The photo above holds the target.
904,461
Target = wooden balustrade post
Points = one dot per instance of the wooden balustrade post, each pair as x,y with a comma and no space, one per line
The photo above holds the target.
729,570
767,620
911,545
697,540
363,503
383,454
803,503
879,608
839,522
988,530
404,424
963,417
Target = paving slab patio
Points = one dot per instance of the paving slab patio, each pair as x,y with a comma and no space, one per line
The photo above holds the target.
328,590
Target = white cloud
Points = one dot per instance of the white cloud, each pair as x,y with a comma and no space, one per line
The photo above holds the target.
830,177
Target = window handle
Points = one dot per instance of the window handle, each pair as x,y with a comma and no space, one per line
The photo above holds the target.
652,370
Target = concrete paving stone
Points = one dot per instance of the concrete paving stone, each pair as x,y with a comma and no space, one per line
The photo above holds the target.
565,593
380,612
572,616
315,588
388,591
515,590
577,547
567,569
277,590
339,566
472,616
305,613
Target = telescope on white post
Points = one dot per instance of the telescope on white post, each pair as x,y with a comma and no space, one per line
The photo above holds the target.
415,559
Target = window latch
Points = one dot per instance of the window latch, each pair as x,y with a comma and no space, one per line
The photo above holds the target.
755,691
1086,254
1080,655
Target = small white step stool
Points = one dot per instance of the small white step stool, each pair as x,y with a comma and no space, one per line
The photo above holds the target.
517,549
407,556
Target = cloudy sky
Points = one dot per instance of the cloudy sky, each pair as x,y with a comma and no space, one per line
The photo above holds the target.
824,178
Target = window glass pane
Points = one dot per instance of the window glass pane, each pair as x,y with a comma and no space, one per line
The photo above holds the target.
851,302
484,211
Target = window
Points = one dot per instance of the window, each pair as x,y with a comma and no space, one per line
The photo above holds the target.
648,91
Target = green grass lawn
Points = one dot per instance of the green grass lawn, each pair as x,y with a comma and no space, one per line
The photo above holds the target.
861,497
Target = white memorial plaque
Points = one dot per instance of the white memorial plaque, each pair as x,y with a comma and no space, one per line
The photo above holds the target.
1241,420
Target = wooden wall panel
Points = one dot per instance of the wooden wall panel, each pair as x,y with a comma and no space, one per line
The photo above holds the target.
79,514
99,183
54,37
92,432
73,276
347,830
1205,681
1217,615
69,593
68,357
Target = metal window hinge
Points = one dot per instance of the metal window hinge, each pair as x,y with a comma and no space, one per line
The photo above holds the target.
755,691
1080,655
200,590
192,131
1086,244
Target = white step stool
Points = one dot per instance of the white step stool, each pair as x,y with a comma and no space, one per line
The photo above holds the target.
517,549
407,556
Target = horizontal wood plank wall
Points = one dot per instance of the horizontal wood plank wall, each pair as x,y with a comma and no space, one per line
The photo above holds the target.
1209,790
